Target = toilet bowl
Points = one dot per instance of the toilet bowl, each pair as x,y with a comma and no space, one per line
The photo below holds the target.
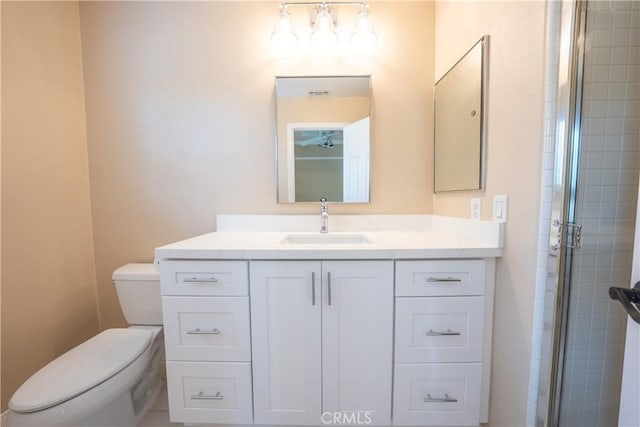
109,380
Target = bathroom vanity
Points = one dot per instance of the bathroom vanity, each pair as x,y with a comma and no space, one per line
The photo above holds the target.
387,320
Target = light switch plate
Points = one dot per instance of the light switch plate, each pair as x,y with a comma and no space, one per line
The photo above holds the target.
500,208
476,208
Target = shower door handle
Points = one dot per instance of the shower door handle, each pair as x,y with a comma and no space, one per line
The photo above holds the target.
629,298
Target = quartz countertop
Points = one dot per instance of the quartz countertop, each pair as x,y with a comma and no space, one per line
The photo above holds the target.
389,237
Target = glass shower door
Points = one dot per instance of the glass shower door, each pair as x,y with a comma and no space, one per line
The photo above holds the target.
604,201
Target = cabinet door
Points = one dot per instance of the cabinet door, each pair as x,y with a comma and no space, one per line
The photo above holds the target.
357,332
286,342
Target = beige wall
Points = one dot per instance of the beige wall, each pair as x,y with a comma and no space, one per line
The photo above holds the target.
515,138
181,119
48,275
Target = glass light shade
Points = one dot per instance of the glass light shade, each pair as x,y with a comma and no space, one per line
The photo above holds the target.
284,37
364,36
323,36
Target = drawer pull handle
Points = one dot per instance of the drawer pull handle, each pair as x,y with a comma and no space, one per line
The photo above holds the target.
198,331
200,280
443,279
445,399
432,333
202,396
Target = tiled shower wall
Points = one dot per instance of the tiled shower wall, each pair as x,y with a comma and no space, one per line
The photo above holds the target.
606,208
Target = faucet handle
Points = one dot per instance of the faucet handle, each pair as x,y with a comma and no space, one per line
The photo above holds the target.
323,204
324,216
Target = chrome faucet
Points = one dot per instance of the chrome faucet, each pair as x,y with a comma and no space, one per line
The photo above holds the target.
324,216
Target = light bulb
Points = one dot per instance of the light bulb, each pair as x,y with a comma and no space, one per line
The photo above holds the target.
284,38
323,37
364,36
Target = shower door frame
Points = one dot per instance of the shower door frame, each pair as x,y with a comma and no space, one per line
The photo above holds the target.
565,185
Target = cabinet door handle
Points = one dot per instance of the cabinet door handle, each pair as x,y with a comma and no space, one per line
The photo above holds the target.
202,396
445,399
329,287
200,280
198,331
432,333
313,288
443,279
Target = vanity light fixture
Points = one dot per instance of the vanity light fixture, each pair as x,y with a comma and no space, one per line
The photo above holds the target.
284,37
364,36
324,36
323,22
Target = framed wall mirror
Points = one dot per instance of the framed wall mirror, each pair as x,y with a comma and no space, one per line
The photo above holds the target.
459,126
323,138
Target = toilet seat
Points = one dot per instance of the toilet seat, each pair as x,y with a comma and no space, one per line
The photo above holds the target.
81,368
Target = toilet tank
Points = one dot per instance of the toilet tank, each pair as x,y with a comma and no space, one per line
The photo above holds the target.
138,288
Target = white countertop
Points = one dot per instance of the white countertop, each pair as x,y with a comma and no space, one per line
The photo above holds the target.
390,236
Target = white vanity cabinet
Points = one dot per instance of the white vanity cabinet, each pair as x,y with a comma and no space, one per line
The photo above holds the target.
205,308
284,342
322,340
444,312
269,323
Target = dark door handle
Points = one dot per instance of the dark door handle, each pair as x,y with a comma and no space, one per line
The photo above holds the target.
629,298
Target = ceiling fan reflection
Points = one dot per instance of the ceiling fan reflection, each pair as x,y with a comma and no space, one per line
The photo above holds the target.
321,138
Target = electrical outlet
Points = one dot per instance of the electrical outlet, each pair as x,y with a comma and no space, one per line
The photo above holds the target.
476,208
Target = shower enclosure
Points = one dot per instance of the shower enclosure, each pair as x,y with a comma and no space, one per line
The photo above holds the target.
593,211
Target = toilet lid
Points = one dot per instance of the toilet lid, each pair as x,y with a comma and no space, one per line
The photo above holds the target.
81,368
136,271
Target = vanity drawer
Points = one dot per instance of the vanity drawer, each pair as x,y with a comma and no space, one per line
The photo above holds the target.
207,328
440,277
205,392
437,394
439,329
215,278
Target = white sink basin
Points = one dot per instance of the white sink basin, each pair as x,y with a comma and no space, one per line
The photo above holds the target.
326,239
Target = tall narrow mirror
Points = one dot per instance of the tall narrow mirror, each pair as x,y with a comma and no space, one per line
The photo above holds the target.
459,139
323,138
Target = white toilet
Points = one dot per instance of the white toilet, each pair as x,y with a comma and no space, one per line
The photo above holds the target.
109,380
